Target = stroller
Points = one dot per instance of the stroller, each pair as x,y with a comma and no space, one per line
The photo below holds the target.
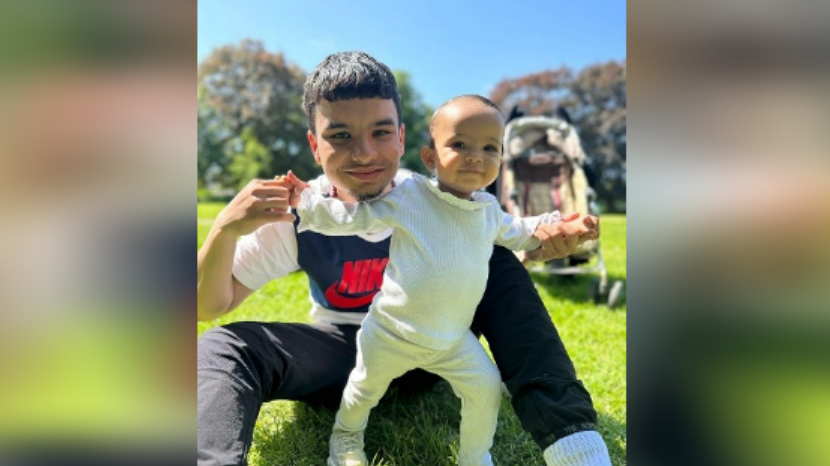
543,171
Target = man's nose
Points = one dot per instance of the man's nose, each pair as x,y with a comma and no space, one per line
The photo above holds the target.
363,149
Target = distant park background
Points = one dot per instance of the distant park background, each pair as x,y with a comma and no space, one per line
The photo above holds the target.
251,124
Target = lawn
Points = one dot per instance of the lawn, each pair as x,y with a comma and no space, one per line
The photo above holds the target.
423,430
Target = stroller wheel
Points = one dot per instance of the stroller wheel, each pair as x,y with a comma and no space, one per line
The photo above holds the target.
614,294
594,291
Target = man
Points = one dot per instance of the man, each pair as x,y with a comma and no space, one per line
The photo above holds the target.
355,133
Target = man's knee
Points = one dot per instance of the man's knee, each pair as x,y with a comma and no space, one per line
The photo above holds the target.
217,345
226,348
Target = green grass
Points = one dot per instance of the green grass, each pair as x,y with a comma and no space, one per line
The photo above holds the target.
423,430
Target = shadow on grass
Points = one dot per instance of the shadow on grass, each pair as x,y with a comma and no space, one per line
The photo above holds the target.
405,430
575,288
614,433
418,429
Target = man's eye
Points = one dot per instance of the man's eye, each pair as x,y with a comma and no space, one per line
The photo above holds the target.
343,135
381,133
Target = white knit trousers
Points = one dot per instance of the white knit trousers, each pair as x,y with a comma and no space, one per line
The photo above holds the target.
383,356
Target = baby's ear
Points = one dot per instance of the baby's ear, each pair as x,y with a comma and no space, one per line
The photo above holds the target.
428,157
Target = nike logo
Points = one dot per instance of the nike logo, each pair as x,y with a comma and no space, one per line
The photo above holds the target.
345,302
359,284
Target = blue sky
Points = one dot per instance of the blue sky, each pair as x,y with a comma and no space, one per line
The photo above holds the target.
448,47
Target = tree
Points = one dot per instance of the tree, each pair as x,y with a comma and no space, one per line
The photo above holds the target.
415,116
250,157
211,135
596,102
257,95
535,94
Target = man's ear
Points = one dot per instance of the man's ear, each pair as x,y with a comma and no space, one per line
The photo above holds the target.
402,138
312,142
428,157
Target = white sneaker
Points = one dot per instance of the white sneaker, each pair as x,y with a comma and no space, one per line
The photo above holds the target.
346,448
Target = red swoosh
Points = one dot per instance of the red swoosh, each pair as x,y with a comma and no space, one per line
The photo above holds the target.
338,300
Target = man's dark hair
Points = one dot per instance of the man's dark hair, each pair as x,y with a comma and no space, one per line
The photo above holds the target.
477,97
348,75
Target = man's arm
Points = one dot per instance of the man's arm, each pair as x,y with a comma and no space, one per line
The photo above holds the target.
259,203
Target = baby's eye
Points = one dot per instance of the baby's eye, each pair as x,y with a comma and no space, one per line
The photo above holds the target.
458,145
491,148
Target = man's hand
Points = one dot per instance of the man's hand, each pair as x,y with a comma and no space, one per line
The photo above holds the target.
562,238
259,203
586,227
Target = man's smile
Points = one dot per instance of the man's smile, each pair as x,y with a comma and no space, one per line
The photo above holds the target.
365,174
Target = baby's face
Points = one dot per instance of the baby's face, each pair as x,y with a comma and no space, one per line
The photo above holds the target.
468,139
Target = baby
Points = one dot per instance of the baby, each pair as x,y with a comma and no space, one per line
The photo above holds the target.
444,231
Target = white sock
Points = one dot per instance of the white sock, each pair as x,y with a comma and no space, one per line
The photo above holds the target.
580,449
338,424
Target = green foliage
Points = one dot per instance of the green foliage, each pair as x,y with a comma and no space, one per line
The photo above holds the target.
249,94
598,106
415,115
250,161
423,429
211,135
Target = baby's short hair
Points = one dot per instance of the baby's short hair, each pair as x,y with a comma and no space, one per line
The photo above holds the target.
477,97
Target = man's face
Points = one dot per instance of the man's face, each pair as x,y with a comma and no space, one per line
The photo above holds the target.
359,144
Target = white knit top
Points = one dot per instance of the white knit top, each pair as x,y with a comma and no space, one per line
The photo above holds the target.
438,256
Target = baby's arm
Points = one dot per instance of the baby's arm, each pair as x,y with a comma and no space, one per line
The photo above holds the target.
518,233
548,236
332,216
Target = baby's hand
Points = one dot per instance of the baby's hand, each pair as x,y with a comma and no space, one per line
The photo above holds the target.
592,223
294,185
585,227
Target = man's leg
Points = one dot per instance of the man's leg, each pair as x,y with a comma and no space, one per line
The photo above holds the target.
242,365
550,401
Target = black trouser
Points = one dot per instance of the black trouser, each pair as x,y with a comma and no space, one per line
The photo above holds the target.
242,365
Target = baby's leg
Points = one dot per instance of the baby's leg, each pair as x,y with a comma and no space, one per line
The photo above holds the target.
476,380
381,358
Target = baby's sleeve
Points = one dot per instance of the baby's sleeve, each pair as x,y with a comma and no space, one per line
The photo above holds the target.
334,217
517,233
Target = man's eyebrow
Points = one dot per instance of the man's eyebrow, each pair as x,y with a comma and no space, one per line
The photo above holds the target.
335,125
385,122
